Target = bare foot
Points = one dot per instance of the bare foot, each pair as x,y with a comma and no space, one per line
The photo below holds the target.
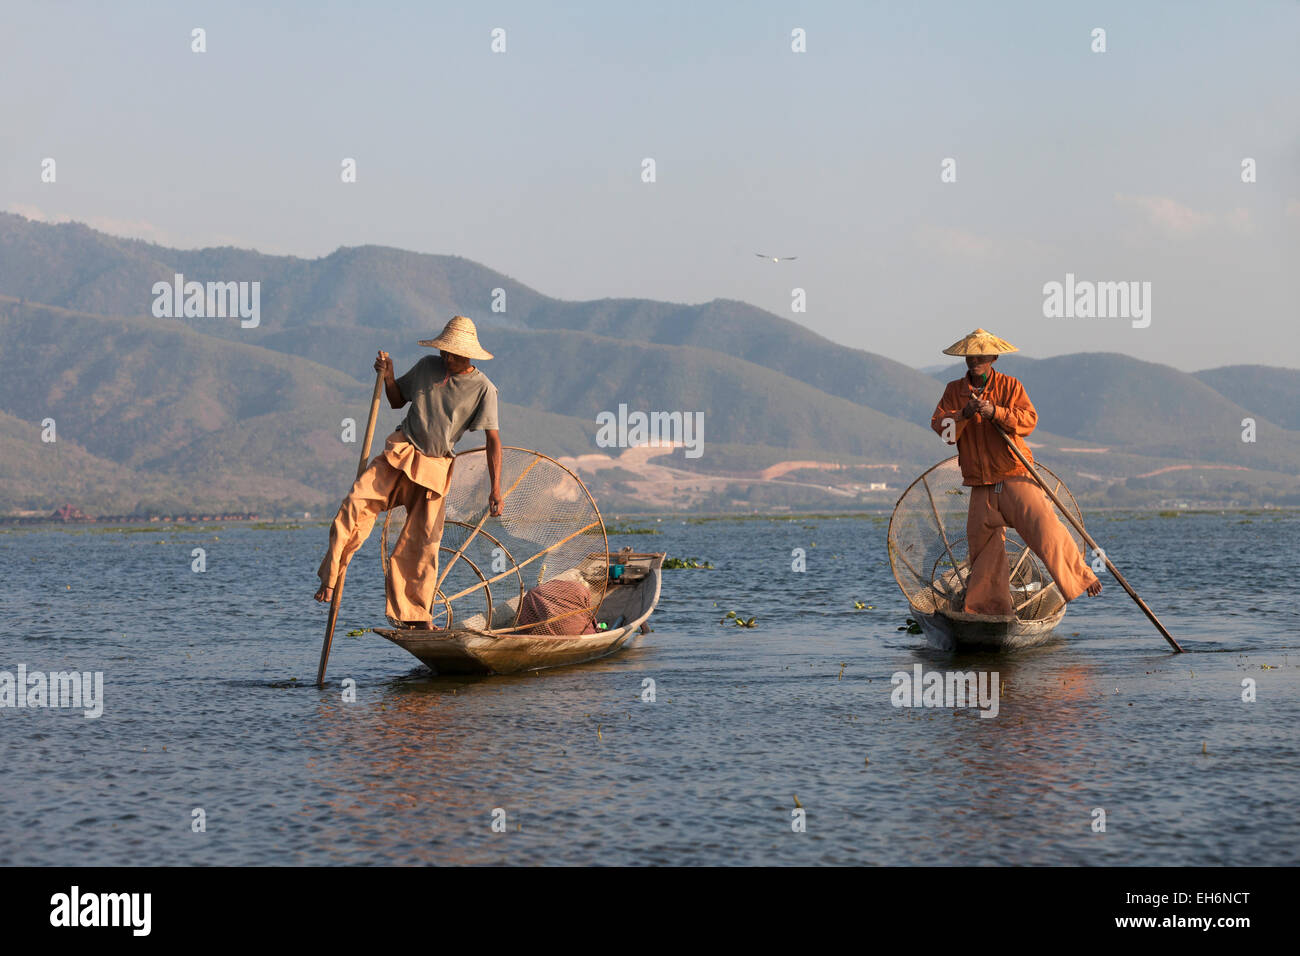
1094,589
324,595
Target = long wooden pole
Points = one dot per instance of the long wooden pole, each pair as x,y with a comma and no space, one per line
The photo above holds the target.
343,567
1092,544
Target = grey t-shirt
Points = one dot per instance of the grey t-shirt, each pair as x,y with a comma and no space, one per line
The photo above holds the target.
445,406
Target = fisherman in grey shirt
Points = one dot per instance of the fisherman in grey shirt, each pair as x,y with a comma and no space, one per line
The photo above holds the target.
448,397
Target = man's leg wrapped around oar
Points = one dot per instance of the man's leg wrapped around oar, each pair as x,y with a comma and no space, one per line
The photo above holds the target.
1021,504
1027,509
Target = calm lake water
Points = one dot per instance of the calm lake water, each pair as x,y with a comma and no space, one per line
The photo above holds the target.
200,712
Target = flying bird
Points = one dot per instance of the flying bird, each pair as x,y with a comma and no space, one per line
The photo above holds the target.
776,258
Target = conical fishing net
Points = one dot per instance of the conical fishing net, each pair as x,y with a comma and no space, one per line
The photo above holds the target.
549,529
929,555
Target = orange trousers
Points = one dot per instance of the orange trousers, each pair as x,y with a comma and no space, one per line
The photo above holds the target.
1021,505
413,566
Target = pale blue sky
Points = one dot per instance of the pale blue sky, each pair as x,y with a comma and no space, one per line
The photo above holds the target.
1115,166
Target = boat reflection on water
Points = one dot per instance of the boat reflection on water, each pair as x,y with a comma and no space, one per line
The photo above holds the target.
435,756
1019,769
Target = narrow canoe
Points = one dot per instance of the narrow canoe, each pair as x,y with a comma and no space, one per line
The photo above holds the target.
958,631
948,629
470,650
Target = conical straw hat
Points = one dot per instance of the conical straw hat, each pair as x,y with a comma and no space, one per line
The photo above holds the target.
459,337
980,342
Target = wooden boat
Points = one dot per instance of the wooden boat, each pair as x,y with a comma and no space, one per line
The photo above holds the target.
928,555
957,631
951,630
475,647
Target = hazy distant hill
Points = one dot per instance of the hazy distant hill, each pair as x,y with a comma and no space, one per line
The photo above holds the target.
38,476
744,331
743,403
1260,389
76,267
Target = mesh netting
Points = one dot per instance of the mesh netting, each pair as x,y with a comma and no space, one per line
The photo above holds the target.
929,555
549,527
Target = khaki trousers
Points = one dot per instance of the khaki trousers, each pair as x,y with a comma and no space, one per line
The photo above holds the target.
413,566
1021,505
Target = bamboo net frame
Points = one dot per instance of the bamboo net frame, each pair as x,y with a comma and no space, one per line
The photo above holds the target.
549,521
923,541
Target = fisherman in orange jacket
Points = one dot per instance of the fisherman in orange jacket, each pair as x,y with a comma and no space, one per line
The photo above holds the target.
1003,494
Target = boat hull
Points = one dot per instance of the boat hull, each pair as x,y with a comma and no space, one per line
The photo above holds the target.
954,631
474,652
449,653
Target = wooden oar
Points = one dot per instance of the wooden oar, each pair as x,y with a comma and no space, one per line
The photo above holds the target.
343,567
1088,538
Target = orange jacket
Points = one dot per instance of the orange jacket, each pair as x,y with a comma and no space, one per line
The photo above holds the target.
983,454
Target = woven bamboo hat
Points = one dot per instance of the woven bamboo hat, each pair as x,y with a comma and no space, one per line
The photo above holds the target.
459,337
980,342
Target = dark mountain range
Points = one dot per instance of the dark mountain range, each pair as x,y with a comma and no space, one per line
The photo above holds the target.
226,424
217,414
357,300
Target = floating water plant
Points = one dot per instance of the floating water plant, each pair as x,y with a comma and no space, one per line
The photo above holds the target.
675,563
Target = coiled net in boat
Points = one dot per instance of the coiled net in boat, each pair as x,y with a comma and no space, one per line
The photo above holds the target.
549,528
